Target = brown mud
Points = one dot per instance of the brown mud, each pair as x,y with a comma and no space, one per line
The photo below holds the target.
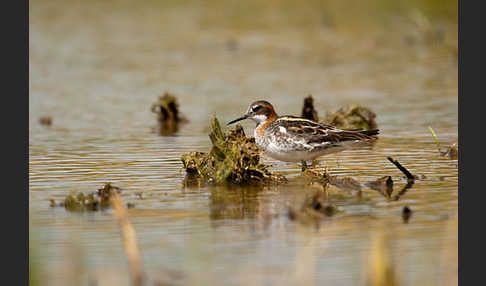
169,117
45,120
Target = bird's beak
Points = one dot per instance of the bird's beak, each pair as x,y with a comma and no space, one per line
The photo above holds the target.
238,119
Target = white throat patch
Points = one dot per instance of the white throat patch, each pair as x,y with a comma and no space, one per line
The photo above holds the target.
260,118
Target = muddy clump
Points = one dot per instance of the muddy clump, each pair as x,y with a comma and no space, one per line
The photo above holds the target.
352,117
95,201
383,185
308,111
451,151
168,115
45,120
234,158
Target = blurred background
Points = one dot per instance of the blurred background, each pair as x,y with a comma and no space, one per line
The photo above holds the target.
95,68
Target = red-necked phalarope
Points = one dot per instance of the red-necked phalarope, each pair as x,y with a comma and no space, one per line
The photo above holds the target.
294,139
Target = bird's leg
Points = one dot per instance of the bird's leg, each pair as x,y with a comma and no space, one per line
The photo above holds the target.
304,165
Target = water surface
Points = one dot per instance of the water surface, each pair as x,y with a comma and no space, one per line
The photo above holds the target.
96,68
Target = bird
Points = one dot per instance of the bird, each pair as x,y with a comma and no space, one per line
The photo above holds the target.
295,139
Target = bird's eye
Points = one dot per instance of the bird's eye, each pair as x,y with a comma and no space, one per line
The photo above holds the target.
256,108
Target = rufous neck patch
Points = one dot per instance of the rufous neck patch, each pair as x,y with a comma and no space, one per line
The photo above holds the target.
261,128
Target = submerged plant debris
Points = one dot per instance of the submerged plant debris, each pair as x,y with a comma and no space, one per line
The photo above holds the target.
451,151
168,115
351,117
313,210
234,158
316,207
308,111
345,183
94,201
322,181
384,185
313,179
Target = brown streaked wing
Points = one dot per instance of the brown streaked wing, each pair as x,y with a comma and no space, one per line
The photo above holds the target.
318,133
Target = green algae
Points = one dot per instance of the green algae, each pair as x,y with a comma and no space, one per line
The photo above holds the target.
233,158
351,117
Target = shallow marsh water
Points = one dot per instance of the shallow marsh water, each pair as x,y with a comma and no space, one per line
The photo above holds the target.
96,68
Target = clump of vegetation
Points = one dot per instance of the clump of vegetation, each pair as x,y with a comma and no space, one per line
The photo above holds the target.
94,201
168,115
351,117
234,158
308,110
45,120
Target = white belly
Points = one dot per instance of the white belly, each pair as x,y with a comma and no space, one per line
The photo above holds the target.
298,156
288,155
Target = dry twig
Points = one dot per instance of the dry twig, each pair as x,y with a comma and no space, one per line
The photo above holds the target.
129,240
